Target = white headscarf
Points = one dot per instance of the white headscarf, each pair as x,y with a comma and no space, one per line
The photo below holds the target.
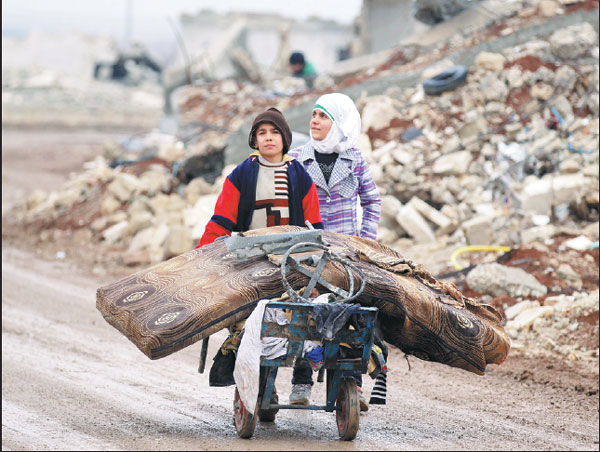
345,129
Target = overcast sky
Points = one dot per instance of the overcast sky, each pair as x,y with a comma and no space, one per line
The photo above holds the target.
150,17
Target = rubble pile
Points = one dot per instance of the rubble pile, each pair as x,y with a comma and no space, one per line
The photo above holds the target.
508,158
224,105
504,158
548,294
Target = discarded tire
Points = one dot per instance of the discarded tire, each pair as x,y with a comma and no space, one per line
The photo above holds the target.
446,81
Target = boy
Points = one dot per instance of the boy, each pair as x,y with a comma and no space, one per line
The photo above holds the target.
269,188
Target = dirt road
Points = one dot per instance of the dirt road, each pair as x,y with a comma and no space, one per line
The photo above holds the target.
72,382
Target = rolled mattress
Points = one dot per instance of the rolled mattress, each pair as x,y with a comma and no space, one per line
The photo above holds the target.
178,302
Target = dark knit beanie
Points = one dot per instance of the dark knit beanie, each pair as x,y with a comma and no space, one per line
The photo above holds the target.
275,117
296,58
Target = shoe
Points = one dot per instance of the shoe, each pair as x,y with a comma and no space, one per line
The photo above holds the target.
364,405
300,394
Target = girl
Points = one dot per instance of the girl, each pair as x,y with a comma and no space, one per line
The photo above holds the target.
339,169
342,178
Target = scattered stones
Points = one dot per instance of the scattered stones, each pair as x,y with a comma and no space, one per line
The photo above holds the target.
498,280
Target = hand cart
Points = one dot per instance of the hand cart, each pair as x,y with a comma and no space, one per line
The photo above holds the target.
342,393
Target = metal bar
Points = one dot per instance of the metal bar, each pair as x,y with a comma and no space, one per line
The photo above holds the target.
299,407
326,284
333,384
316,275
246,247
203,355
269,379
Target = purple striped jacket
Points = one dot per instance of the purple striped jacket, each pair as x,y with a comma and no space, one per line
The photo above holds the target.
349,181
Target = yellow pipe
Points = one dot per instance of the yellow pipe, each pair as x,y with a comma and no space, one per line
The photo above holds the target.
466,249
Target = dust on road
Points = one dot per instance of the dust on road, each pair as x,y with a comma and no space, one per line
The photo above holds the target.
70,381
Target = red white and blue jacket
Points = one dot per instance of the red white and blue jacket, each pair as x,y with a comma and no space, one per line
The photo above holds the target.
235,205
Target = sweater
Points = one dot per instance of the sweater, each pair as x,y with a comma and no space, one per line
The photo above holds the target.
236,203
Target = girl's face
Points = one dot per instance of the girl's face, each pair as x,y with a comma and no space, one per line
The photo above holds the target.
269,142
320,124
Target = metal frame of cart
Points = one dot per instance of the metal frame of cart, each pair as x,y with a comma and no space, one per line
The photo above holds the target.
342,393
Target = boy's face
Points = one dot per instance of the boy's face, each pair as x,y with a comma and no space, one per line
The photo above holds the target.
320,124
269,142
296,68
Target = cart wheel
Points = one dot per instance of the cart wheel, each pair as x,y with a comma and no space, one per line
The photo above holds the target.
347,409
269,415
243,420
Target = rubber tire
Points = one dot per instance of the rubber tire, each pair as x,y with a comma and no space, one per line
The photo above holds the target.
268,415
244,422
446,80
347,409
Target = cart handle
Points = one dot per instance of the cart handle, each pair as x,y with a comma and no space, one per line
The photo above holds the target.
316,275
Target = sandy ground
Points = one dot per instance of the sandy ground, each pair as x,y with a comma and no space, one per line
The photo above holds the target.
72,382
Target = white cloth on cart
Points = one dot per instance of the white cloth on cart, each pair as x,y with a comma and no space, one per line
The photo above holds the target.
246,372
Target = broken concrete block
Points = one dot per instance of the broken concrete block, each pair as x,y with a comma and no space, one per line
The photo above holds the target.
497,280
526,318
159,203
386,236
536,196
538,233
114,233
158,237
444,224
152,182
378,113
178,242
478,231
548,8
471,130
494,89
514,77
139,221
196,188
568,187
390,206
157,254
116,217
403,157
124,186
573,42
456,163
569,166
564,108
541,91
512,311
141,239
137,205
566,272
109,205
580,243
197,217
414,224
490,61
36,198
98,224
171,152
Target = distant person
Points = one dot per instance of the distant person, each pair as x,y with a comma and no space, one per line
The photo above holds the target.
302,68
